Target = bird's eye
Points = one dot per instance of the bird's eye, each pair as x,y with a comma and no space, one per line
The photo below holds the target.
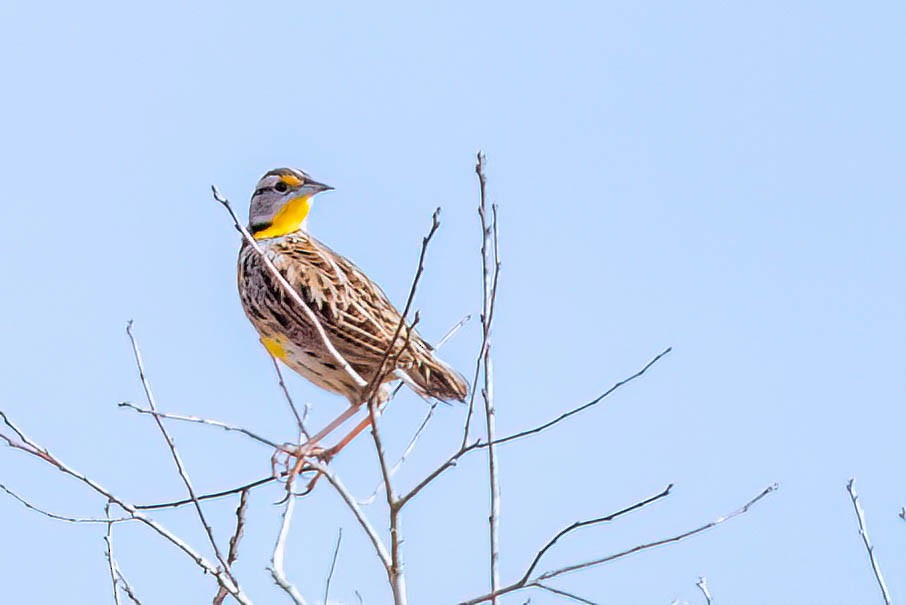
281,186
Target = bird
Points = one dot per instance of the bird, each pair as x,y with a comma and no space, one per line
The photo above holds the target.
355,315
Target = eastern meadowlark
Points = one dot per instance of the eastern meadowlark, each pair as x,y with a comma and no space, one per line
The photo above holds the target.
354,312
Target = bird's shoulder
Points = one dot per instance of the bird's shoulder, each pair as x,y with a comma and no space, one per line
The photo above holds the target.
329,279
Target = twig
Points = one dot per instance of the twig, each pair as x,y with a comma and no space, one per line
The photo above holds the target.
452,460
402,459
490,270
521,584
300,418
277,569
583,407
418,432
29,446
395,570
240,526
703,586
127,588
333,564
375,382
180,467
227,492
289,290
563,593
451,332
580,524
117,579
111,562
50,515
395,574
207,421
860,516
233,553
350,501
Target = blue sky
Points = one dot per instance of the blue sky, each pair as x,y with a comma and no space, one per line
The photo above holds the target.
722,178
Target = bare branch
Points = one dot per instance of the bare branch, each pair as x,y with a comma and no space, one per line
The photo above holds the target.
333,565
418,432
111,562
589,522
207,421
127,588
240,526
521,584
860,516
477,445
451,332
356,510
233,553
703,586
277,569
743,509
376,380
562,593
406,453
50,515
289,290
222,494
180,467
29,446
395,571
490,270
583,407
300,418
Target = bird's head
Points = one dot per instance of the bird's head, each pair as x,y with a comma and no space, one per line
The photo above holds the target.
281,202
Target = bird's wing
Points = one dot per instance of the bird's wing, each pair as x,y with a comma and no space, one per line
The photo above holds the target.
359,318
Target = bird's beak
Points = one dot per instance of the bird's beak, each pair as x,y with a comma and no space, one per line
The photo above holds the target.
313,187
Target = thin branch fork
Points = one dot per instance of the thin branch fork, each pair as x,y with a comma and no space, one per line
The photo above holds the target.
533,582
375,382
490,269
395,573
277,568
270,479
233,553
587,523
108,553
703,586
477,444
50,515
860,516
117,579
353,506
29,446
208,421
177,459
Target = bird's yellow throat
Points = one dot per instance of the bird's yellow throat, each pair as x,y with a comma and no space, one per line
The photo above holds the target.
288,219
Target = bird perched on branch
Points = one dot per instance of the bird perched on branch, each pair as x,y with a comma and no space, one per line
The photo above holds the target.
357,318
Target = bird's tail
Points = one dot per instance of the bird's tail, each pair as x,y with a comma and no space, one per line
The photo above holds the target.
436,379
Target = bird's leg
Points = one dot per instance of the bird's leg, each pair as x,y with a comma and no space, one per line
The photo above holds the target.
310,446
383,397
333,451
